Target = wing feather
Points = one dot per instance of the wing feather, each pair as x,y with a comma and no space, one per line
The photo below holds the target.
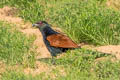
60,40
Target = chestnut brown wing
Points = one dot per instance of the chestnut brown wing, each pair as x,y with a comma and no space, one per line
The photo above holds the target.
60,40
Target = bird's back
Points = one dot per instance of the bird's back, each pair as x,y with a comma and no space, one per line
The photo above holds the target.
49,31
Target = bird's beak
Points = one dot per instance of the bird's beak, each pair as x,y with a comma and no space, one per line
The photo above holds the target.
33,25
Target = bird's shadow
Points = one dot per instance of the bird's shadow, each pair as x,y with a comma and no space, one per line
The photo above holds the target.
54,60
47,60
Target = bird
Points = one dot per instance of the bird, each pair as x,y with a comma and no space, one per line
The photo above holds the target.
55,42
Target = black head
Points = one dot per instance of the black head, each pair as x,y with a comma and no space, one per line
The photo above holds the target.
40,24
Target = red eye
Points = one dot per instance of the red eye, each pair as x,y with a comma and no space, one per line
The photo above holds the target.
40,22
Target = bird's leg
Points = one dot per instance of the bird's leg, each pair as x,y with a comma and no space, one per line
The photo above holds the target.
53,60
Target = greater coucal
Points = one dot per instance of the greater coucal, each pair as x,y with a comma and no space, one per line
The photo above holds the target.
55,41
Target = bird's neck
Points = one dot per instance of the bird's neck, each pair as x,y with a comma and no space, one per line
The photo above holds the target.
46,31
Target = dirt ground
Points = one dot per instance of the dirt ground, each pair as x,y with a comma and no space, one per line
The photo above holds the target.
113,4
7,14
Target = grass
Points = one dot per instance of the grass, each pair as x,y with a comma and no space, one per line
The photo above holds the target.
78,64
88,21
13,75
13,44
83,21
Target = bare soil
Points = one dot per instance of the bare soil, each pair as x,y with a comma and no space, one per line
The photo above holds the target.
110,49
2,67
113,4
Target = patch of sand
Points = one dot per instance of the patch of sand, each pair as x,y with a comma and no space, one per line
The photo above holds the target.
110,49
6,14
2,67
113,4
41,48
